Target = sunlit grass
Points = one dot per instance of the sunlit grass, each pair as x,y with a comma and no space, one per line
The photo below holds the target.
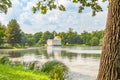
76,45
18,73
51,70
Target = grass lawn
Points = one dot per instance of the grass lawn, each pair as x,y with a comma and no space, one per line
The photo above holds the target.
77,45
18,73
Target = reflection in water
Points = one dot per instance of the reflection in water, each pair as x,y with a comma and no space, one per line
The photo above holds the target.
83,62
53,52
57,53
90,55
15,54
70,56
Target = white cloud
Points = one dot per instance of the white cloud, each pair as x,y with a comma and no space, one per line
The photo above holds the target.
54,20
12,12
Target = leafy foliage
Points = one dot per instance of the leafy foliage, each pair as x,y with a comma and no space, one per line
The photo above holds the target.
49,66
4,5
45,36
57,73
92,39
4,60
13,33
37,36
2,34
70,37
45,5
30,41
55,69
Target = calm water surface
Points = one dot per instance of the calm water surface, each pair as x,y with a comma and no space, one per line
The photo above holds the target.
83,62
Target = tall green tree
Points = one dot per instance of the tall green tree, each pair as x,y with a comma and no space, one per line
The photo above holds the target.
37,36
110,57
72,36
2,33
85,37
4,5
64,38
96,38
30,40
46,35
23,39
94,41
54,33
13,33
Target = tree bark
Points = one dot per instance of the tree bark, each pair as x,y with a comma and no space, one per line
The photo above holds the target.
110,57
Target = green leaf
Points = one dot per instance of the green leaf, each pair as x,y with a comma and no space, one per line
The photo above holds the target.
43,9
51,4
81,8
4,5
104,0
62,8
34,9
75,1
93,13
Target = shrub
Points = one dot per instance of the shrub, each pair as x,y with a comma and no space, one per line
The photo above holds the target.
17,46
7,45
55,69
4,60
57,73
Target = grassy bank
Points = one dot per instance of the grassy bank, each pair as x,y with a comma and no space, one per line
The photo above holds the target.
51,70
1,47
18,73
76,45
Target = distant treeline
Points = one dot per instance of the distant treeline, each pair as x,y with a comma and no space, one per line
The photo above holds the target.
13,36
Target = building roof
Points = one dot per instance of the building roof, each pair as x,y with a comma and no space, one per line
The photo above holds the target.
57,38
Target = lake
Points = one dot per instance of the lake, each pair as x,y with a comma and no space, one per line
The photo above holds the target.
83,62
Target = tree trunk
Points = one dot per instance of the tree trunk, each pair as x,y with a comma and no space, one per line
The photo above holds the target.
110,57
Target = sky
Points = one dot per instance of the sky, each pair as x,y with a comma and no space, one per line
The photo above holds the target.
54,20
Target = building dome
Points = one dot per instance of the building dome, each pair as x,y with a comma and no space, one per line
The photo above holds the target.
57,38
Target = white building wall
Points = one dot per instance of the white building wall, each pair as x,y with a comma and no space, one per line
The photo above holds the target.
49,42
52,42
57,42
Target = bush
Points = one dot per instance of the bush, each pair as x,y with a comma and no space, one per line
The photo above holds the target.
17,46
55,69
4,60
57,73
7,45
